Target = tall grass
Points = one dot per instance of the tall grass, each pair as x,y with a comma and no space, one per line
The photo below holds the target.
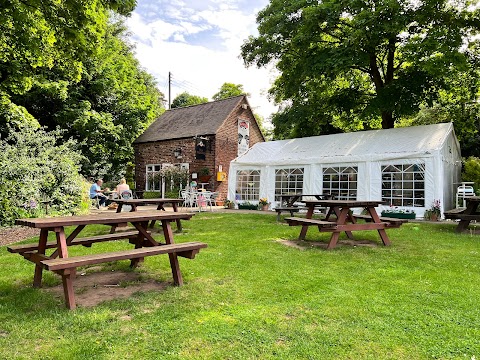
247,296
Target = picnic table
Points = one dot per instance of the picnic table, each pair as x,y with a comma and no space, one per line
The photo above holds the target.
345,220
160,202
465,215
287,202
60,262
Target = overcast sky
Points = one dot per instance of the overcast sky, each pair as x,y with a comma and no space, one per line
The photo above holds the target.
199,41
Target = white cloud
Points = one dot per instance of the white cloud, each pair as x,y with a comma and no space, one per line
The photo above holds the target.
199,43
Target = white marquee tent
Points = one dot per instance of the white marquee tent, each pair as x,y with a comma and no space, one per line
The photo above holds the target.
408,168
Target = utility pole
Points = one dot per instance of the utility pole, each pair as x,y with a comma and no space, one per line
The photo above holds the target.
169,90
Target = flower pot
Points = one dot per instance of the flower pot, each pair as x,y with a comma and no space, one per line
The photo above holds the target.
265,207
434,217
219,203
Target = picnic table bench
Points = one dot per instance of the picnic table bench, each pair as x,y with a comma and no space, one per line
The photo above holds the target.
345,220
60,262
465,215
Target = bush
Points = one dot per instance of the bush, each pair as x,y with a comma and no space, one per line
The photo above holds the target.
35,166
471,172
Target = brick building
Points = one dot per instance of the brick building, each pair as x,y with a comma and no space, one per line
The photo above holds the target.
201,136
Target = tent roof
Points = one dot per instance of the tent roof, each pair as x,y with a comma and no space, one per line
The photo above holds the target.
370,145
202,119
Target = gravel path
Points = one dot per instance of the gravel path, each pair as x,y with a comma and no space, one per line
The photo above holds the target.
14,234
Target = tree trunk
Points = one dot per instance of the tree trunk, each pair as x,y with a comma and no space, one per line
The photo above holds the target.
387,120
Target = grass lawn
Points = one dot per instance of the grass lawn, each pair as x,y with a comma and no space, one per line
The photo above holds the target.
249,297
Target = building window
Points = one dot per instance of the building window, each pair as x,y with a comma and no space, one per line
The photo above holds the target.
248,185
288,181
153,178
341,182
404,185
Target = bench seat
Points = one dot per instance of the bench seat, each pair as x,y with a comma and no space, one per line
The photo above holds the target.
290,209
85,241
392,221
293,221
189,250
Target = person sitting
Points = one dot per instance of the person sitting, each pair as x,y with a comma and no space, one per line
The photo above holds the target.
96,192
123,186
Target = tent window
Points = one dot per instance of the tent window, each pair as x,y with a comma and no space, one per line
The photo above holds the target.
404,185
248,185
288,181
153,178
341,182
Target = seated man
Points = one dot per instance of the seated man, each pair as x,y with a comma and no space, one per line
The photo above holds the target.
96,192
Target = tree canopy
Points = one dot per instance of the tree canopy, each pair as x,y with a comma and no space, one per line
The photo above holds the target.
348,65
229,90
68,64
186,99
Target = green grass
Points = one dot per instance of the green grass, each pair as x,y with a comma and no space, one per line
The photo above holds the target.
249,297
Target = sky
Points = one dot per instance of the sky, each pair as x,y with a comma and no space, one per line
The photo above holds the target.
198,42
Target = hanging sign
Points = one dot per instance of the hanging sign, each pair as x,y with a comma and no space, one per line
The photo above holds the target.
243,136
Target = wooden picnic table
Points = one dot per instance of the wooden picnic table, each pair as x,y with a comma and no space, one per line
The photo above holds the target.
60,262
287,202
345,220
290,199
465,215
160,202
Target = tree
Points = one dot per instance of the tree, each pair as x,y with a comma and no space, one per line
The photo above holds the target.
185,99
229,90
357,64
106,110
104,102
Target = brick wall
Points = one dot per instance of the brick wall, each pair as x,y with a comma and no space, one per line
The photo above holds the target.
227,141
223,150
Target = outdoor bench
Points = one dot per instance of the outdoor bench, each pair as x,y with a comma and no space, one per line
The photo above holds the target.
290,209
187,250
85,241
293,221
391,222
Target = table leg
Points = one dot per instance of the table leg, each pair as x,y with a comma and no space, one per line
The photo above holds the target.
341,220
177,275
68,275
309,215
179,223
142,236
42,244
470,210
381,232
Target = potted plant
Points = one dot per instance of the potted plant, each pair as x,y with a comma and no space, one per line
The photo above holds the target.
263,202
434,213
399,213
204,175
227,204
246,205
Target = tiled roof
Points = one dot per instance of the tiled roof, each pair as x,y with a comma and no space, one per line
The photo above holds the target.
202,119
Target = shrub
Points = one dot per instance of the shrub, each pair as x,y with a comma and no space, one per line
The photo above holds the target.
471,172
36,166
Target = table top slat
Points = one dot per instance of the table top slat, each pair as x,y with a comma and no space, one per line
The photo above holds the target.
345,203
104,218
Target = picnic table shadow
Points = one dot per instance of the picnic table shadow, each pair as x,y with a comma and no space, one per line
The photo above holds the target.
345,243
92,287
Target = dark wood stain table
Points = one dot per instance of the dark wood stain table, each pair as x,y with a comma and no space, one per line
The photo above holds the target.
344,219
160,202
466,215
60,262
